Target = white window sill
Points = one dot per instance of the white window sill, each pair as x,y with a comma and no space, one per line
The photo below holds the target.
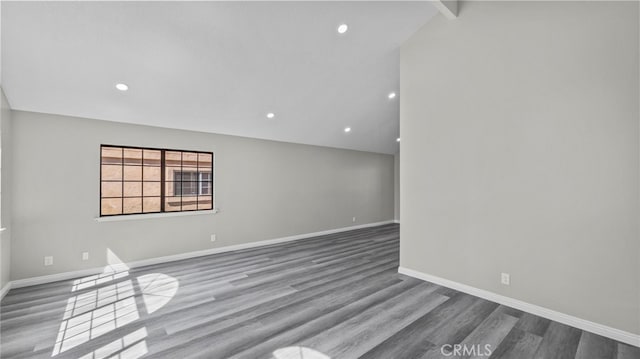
2,229
132,217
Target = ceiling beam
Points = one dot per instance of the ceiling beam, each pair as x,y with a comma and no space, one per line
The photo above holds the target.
448,8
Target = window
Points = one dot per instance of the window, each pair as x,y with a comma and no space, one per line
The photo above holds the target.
147,180
192,183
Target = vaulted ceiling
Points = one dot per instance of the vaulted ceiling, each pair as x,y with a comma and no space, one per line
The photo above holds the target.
216,66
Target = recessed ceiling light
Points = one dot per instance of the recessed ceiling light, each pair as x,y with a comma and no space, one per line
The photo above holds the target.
271,115
122,87
343,28
347,129
392,95
398,139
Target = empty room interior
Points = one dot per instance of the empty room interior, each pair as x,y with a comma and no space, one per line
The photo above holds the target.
320,179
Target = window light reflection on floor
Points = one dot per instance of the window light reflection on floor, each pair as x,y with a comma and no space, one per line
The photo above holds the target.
157,290
130,346
94,280
115,269
297,352
112,305
95,313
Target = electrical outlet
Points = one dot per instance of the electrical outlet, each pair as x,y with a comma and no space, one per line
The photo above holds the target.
505,278
85,256
354,219
48,260
213,238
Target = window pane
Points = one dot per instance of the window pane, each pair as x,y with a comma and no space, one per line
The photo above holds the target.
204,160
189,205
172,158
132,205
132,180
151,157
111,189
132,156
132,173
205,183
133,189
151,204
111,206
112,172
151,173
151,188
111,155
189,159
172,204
190,188
185,176
171,188
170,173
205,202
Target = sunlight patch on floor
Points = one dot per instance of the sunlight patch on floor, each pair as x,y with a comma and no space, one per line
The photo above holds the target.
95,312
92,314
157,290
131,346
298,352
94,280
115,269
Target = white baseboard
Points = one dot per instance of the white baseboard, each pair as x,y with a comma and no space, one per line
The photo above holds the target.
176,257
27,282
605,331
5,290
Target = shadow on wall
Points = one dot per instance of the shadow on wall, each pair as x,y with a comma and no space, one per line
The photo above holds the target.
108,301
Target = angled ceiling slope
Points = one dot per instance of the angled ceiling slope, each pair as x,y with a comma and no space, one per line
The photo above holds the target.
216,66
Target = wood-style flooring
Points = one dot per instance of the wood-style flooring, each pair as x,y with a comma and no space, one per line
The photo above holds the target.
333,296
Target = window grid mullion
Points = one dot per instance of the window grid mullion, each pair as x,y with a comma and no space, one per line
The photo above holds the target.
181,178
142,183
122,181
162,180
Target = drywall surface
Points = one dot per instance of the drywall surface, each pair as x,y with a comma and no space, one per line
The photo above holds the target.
396,186
264,190
520,131
5,191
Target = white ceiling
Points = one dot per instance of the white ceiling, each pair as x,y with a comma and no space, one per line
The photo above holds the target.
216,66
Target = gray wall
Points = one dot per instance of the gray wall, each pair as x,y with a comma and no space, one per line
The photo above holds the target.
396,186
5,203
519,125
264,189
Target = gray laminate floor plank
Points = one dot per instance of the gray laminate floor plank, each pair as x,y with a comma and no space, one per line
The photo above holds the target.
533,324
336,284
412,340
301,307
272,323
518,344
338,295
593,346
490,333
375,324
324,323
559,342
462,324
625,351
